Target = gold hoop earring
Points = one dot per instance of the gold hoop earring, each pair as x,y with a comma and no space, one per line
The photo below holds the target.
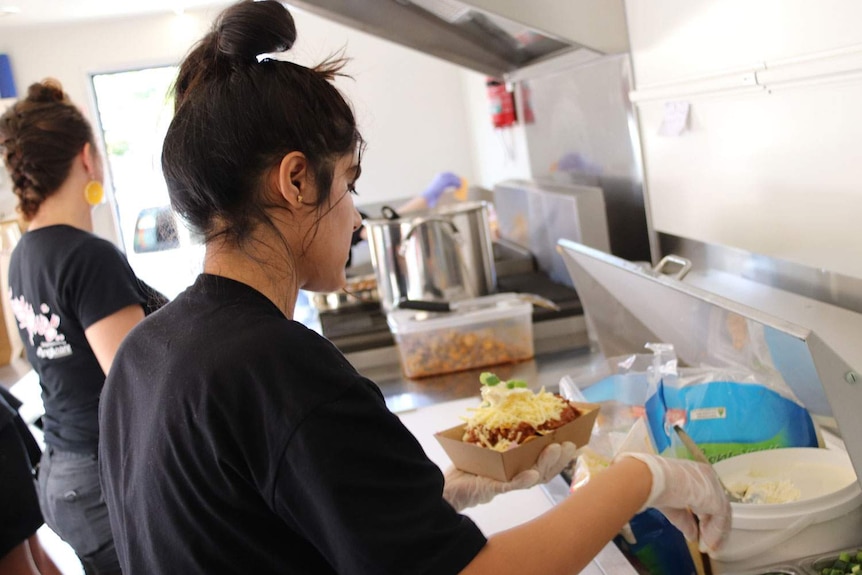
94,193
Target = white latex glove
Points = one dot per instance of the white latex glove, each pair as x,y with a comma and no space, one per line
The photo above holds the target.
463,490
683,489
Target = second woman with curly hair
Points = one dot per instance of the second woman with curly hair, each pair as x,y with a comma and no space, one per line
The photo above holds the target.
74,297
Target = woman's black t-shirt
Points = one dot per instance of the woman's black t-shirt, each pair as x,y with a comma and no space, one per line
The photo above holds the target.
235,440
62,280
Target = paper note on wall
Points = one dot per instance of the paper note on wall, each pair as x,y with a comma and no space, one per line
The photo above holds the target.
675,119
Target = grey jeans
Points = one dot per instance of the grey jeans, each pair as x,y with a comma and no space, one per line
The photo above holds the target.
71,499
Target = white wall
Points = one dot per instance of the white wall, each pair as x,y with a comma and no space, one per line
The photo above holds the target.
770,161
420,115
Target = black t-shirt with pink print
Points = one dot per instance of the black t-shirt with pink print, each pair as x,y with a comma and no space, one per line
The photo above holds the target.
62,280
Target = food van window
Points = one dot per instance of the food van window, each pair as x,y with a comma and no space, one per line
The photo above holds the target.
134,109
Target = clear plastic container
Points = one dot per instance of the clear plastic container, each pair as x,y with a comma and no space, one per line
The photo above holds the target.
478,332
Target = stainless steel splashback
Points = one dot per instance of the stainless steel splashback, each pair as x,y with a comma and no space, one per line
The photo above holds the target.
535,214
816,283
583,132
813,346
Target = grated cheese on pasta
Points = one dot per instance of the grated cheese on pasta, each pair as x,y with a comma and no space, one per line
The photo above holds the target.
504,408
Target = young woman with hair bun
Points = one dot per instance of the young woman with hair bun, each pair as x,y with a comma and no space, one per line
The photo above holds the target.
236,440
74,297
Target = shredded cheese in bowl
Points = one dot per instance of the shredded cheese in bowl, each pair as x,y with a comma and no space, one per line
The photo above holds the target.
766,491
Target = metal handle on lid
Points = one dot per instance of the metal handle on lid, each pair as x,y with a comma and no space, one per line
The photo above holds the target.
685,265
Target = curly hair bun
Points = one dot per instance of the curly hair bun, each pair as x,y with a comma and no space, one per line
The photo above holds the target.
47,91
248,29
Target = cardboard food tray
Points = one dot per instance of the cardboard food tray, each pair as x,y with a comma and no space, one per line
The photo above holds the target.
505,465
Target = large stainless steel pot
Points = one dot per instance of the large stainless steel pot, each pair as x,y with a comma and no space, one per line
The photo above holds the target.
445,254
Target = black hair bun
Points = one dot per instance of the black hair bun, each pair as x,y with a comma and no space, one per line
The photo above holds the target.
248,29
46,91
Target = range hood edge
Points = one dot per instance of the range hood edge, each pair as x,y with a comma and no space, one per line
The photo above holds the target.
600,22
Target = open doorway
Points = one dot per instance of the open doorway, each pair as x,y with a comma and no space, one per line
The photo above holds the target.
135,108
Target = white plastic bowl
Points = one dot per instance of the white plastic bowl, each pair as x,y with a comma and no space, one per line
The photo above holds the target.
827,516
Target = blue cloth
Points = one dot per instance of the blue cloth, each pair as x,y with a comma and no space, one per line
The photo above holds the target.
7,82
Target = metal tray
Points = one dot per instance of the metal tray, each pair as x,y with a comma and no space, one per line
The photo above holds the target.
811,565
814,565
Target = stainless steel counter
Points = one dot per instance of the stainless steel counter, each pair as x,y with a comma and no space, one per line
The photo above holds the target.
561,345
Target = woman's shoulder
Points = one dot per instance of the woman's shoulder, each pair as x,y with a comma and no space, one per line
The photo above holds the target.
91,243
69,242
229,320
287,340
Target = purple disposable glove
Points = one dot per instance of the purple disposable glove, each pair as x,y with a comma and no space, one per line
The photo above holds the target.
440,183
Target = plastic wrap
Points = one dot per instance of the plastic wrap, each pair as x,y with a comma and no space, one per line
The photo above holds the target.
727,410
651,543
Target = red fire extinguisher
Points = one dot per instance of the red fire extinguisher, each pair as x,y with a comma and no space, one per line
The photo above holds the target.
502,103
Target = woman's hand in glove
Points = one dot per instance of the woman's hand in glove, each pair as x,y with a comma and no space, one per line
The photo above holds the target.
681,488
438,185
463,490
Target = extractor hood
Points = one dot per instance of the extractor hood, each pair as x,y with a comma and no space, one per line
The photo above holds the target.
493,37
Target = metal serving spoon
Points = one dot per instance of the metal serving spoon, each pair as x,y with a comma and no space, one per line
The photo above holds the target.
701,457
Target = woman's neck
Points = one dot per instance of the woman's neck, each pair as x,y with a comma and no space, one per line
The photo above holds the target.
252,265
65,206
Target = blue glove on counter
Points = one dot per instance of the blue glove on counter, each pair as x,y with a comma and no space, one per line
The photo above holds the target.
440,183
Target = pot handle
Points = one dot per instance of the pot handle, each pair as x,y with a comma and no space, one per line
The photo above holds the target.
420,221
424,305
402,249
389,213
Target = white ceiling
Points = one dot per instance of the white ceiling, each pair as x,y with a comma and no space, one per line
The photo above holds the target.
40,12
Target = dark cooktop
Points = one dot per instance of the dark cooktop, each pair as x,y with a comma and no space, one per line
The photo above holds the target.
356,328
363,326
540,284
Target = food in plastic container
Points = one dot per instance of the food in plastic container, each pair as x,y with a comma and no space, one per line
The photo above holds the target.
478,332
849,561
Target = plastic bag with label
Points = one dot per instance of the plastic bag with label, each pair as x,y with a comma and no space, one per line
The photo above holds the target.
740,406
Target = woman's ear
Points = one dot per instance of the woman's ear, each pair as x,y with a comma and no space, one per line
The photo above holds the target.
91,161
294,183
